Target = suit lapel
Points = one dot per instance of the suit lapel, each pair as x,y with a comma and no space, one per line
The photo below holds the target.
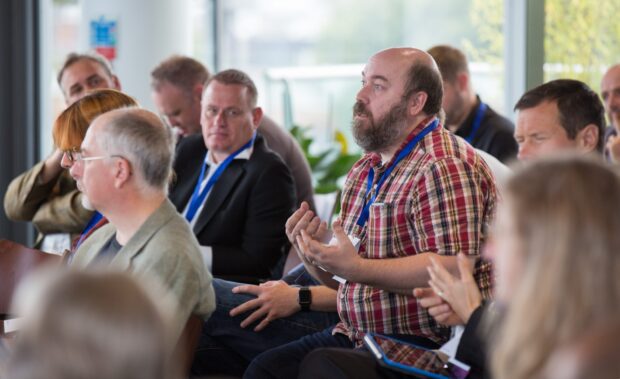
150,227
224,187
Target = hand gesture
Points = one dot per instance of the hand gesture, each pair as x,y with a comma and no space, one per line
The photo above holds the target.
274,300
462,294
437,307
339,257
613,146
304,219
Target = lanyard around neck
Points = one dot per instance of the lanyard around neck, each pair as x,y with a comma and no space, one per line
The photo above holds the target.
477,121
198,197
361,221
93,221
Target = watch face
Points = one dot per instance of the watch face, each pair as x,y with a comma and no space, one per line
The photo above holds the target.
305,298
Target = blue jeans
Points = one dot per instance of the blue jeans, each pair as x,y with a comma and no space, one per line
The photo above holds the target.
284,361
226,348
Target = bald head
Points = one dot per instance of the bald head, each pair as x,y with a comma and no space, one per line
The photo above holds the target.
610,92
418,71
140,137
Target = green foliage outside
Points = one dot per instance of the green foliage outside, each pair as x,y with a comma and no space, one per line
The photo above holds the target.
581,37
330,166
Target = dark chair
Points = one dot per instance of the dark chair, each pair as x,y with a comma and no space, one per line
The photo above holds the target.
16,262
186,346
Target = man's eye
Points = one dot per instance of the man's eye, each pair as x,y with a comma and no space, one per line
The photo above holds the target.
233,113
95,81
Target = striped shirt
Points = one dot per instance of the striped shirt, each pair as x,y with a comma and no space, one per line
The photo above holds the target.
438,199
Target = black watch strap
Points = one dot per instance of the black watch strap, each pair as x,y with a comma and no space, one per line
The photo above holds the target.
305,298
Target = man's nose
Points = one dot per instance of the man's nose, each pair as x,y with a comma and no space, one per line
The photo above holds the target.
524,151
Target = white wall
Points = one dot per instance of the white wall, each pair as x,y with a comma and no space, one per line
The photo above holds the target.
148,31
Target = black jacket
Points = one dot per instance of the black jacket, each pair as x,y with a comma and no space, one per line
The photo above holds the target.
244,216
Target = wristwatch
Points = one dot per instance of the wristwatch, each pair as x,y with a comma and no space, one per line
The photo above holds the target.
304,298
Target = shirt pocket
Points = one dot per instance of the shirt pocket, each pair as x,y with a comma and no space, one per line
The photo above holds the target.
387,224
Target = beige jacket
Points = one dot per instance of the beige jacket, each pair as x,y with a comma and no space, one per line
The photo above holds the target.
164,248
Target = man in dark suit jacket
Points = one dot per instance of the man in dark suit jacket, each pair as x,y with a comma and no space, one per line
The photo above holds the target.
247,191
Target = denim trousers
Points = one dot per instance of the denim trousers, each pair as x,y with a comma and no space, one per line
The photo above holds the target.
226,348
283,362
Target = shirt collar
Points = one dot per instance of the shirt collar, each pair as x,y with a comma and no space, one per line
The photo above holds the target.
245,154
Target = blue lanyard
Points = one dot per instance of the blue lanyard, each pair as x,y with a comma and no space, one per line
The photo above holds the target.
361,221
93,221
198,197
477,121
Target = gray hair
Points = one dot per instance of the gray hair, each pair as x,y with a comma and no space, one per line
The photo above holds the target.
142,138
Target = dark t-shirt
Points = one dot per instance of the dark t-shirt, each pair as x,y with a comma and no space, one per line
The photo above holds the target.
495,134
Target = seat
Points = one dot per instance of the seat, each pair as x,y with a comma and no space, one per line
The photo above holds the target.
186,346
16,262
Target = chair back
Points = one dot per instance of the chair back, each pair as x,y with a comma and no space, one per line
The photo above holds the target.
16,261
186,346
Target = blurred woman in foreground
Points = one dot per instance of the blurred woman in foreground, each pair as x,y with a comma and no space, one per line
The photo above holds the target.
556,248
90,325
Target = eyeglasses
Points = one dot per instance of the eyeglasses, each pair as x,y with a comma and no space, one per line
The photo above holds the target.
75,156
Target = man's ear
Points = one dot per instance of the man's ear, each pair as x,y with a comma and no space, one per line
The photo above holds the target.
257,116
462,81
122,172
117,83
416,103
587,138
197,91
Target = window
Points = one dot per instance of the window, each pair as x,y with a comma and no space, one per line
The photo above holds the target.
581,39
306,56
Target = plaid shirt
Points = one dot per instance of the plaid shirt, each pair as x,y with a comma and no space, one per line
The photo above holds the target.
438,199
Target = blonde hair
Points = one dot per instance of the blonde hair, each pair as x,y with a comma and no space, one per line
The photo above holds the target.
71,126
567,221
95,325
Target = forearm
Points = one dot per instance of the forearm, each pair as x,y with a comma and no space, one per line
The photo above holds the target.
324,299
62,214
24,195
405,273
51,168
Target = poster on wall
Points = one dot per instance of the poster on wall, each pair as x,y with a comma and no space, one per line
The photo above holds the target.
103,37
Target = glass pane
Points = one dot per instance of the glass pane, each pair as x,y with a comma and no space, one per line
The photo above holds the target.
581,39
307,55
64,19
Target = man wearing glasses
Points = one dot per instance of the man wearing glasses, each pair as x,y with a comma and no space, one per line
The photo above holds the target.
123,169
44,195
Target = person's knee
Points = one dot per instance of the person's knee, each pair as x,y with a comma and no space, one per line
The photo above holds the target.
317,364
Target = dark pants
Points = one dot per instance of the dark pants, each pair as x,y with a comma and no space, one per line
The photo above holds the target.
284,361
226,348
334,363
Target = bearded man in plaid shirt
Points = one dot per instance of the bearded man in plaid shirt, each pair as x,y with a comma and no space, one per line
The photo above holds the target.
418,192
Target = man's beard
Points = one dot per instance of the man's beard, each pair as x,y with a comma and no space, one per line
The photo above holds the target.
385,133
86,203
459,108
